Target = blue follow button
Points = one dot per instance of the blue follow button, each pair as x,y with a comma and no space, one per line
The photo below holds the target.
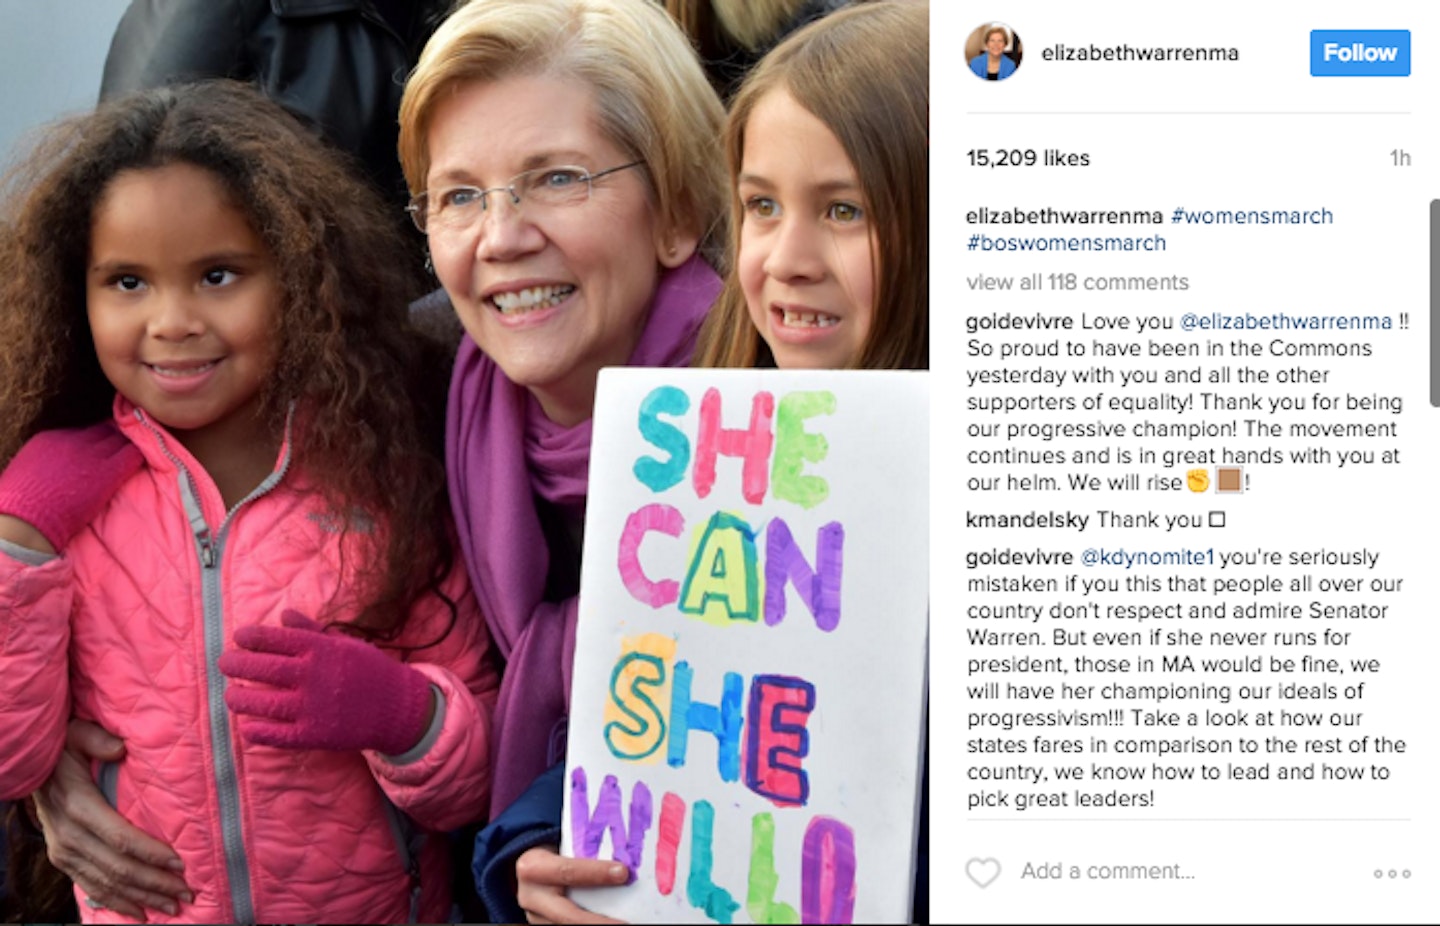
1360,53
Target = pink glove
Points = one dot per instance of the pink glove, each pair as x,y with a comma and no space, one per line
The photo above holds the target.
60,480
312,690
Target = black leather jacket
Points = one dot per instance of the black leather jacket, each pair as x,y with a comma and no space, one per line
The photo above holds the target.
339,64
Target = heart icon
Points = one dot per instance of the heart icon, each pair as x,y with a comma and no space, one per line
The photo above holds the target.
983,871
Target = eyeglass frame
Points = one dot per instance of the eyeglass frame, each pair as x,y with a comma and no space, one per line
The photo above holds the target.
415,206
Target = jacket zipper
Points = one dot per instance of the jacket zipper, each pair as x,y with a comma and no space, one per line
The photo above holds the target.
409,842
210,550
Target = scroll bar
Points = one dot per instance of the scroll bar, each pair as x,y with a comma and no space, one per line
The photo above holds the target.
1435,303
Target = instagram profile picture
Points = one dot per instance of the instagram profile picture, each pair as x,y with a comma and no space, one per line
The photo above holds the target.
993,51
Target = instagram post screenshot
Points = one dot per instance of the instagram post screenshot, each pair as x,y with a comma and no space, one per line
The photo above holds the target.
464,461
479,461
1184,599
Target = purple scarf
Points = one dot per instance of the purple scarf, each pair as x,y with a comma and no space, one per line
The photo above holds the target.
501,454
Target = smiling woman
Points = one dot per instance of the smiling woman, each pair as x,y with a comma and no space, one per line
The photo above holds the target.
999,55
551,289
562,160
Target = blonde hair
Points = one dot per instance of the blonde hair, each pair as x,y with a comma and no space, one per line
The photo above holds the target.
858,72
652,98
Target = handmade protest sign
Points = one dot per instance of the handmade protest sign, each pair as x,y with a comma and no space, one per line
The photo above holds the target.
747,711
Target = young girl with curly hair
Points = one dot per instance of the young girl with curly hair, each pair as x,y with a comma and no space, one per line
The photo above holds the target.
224,534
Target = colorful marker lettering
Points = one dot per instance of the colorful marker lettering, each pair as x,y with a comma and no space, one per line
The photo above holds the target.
827,874
659,476
794,448
819,588
667,840
724,721
654,517
587,830
775,735
760,894
752,445
723,573
702,892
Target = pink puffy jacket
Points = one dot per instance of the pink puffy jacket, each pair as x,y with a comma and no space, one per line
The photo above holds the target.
125,628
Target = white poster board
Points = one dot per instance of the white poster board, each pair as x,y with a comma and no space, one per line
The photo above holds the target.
748,703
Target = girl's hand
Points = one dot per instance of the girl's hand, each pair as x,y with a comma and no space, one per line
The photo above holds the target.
302,688
116,864
542,876
60,480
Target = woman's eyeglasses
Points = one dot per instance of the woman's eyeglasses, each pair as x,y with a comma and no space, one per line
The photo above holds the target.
458,207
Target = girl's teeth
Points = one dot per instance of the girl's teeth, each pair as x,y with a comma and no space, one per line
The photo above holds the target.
183,371
527,300
809,319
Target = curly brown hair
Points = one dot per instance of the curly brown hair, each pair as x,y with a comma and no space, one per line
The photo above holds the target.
371,388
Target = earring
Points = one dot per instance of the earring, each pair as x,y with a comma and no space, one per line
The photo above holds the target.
429,264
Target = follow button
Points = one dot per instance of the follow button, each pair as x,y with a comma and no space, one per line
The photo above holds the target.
1360,53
